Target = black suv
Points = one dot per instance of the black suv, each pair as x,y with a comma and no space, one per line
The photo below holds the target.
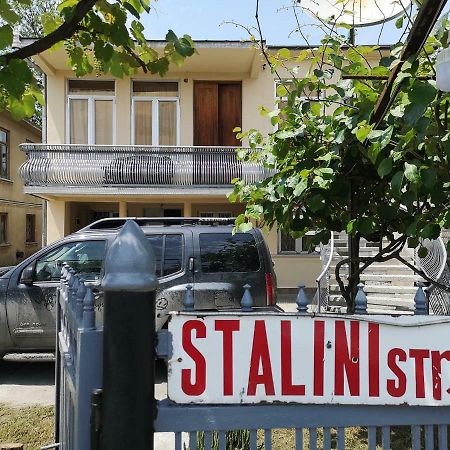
202,252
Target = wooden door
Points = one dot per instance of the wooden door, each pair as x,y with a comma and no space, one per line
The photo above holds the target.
230,115
217,111
206,110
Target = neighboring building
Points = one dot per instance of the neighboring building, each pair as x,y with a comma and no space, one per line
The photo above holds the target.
20,213
188,117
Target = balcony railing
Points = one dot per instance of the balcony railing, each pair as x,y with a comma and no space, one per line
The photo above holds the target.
98,165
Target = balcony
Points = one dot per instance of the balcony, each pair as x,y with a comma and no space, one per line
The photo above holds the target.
101,169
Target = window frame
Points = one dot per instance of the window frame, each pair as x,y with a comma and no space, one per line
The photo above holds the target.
160,271
33,228
8,154
91,98
299,250
4,219
155,99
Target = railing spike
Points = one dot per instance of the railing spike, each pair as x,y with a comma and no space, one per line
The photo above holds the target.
188,298
88,310
247,299
361,300
420,301
302,299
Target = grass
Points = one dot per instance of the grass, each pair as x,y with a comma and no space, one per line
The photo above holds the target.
31,426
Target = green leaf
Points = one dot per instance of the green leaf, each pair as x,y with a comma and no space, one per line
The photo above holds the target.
362,131
281,90
300,187
385,167
412,173
429,178
316,203
431,231
422,93
245,226
396,184
316,108
351,226
422,252
6,36
7,14
399,22
284,53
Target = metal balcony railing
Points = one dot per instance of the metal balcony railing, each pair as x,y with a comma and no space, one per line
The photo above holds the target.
115,165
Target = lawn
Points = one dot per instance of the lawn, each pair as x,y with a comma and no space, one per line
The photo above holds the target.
31,426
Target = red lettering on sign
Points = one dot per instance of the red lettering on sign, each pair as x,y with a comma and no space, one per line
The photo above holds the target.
287,387
198,386
260,355
227,327
319,357
436,364
346,359
396,388
374,360
419,355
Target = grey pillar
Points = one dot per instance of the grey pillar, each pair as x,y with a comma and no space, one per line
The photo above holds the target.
129,342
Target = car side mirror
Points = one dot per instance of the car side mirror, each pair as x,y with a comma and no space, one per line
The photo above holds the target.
27,275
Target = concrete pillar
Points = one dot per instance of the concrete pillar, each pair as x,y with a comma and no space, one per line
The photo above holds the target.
57,220
123,209
123,110
187,209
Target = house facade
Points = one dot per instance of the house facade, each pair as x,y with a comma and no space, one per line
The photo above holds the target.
20,213
151,146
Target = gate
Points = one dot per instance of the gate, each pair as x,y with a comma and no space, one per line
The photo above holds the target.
281,374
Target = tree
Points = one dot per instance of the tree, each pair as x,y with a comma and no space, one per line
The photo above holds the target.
335,170
96,35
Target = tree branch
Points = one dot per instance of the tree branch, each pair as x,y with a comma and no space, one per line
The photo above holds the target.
65,31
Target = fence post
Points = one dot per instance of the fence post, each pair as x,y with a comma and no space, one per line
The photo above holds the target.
420,301
302,299
129,288
361,300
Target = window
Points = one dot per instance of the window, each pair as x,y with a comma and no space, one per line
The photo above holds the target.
30,230
91,108
3,228
168,250
155,113
223,252
289,245
4,153
85,257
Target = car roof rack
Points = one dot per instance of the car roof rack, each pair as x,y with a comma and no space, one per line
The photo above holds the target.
114,223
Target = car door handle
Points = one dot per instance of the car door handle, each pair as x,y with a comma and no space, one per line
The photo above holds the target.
191,264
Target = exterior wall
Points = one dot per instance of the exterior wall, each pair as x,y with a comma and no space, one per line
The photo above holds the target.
258,88
13,201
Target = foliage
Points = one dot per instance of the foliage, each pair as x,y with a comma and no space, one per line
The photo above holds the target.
97,36
333,168
30,25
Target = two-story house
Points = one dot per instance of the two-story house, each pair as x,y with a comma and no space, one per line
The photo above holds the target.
20,214
151,146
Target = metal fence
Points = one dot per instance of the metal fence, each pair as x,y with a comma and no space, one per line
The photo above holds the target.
78,361
128,381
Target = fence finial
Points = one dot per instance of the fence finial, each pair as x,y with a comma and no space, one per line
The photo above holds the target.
81,292
130,263
302,299
70,282
247,300
420,301
361,300
88,310
188,299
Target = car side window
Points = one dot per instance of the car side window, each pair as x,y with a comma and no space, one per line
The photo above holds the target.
223,252
85,257
168,250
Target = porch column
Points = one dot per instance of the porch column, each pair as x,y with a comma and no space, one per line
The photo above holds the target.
57,220
123,209
187,209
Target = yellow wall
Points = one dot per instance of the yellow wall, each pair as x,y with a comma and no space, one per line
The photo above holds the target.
12,199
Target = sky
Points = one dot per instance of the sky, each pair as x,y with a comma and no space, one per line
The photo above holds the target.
210,19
